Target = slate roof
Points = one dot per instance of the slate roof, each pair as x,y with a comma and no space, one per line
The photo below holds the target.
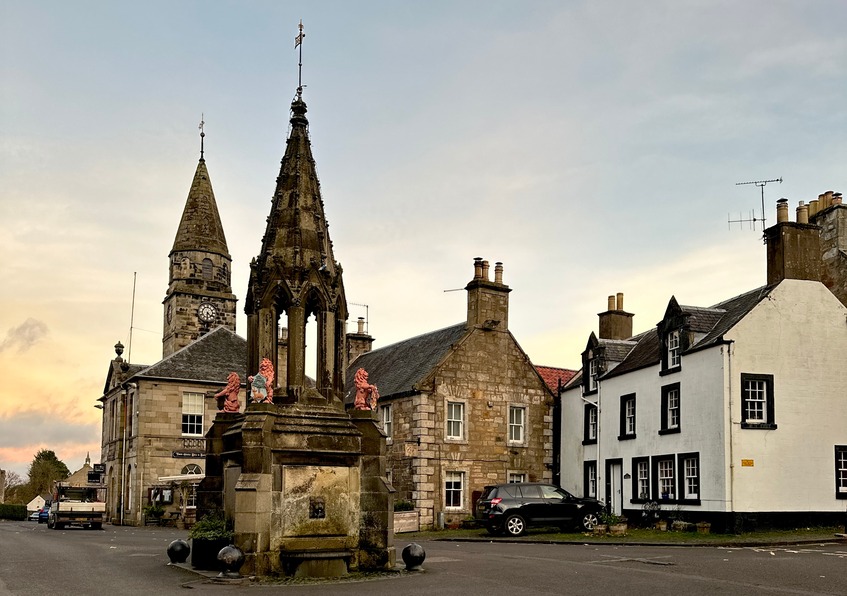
398,368
712,323
554,376
210,359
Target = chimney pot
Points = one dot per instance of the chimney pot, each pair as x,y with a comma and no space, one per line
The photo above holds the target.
498,272
782,210
477,267
813,207
827,198
361,322
802,213
611,303
485,270
836,198
620,301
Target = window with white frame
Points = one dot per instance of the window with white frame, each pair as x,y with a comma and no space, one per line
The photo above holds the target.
841,471
627,430
592,374
515,477
590,479
666,478
517,424
673,349
590,425
191,501
192,414
455,420
642,479
192,469
453,490
670,409
690,467
387,421
757,402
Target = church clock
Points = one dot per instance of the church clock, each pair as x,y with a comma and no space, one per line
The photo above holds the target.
207,312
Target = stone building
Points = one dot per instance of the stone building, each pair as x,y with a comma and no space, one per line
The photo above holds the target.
462,407
155,416
731,414
830,214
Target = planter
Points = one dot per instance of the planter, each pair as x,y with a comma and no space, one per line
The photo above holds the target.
662,525
204,553
618,529
704,528
407,521
600,529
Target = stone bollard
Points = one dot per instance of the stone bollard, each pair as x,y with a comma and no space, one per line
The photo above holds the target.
232,559
178,551
413,556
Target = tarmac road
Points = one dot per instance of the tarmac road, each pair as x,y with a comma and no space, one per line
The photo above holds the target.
125,560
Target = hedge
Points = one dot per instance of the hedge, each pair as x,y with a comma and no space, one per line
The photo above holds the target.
12,511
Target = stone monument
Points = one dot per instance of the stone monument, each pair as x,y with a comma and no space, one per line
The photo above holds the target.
301,480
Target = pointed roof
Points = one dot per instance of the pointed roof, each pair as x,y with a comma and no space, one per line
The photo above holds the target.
208,359
297,233
200,227
398,369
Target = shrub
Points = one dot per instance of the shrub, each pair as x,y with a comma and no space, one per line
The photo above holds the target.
610,519
211,527
403,505
16,512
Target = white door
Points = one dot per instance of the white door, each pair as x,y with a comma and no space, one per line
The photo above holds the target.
615,488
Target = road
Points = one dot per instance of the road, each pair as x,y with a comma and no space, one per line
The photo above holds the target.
125,560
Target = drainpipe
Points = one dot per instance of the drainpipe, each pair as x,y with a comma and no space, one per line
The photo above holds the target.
731,441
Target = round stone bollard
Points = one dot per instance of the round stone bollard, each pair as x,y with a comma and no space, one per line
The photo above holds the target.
178,551
413,556
232,559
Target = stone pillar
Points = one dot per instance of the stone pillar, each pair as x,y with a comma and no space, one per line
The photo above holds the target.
296,349
376,532
267,337
326,353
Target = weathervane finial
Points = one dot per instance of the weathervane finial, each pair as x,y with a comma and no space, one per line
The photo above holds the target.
202,134
298,42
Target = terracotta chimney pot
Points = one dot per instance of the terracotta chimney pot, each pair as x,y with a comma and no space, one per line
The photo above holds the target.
782,210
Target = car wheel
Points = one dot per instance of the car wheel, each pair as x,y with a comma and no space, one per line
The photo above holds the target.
97,526
494,530
51,524
515,525
589,520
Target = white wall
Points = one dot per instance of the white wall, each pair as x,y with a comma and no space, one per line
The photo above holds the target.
799,335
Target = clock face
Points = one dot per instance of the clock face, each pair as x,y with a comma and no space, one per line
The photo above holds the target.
207,312
170,312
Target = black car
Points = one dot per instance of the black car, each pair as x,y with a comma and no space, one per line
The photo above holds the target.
511,508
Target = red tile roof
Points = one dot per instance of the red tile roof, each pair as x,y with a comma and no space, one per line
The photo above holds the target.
552,376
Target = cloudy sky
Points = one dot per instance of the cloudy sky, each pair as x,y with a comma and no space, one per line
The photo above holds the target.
592,146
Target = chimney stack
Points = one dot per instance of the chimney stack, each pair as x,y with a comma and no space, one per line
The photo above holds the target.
358,343
488,301
793,248
615,323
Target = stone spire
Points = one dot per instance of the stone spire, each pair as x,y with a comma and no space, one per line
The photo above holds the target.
200,227
296,274
199,296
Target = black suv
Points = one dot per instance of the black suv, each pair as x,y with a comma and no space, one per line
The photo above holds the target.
511,508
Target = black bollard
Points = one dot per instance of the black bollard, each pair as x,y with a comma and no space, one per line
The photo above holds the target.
232,559
413,556
178,551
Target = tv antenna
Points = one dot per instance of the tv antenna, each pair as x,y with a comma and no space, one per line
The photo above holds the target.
753,219
367,316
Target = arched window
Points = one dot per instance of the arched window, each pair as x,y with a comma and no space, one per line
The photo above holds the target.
207,268
192,469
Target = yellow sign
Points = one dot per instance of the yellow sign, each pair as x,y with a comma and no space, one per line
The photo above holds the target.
747,463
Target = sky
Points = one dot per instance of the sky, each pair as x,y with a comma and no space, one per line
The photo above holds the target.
593,147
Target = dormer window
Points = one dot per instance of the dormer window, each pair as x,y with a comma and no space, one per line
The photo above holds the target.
673,349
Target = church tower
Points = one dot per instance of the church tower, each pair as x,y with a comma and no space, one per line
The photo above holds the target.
199,296
296,279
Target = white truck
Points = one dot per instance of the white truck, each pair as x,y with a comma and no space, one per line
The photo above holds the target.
81,505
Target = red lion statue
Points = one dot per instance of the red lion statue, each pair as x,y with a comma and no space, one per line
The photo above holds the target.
366,394
262,385
233,386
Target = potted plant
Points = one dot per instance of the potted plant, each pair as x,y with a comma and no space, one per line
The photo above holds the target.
208,536
153,513
617,524
704,527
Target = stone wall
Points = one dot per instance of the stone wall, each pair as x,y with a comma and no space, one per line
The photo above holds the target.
833,223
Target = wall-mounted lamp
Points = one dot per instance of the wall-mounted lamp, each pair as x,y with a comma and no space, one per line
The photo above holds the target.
98,406
627,476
